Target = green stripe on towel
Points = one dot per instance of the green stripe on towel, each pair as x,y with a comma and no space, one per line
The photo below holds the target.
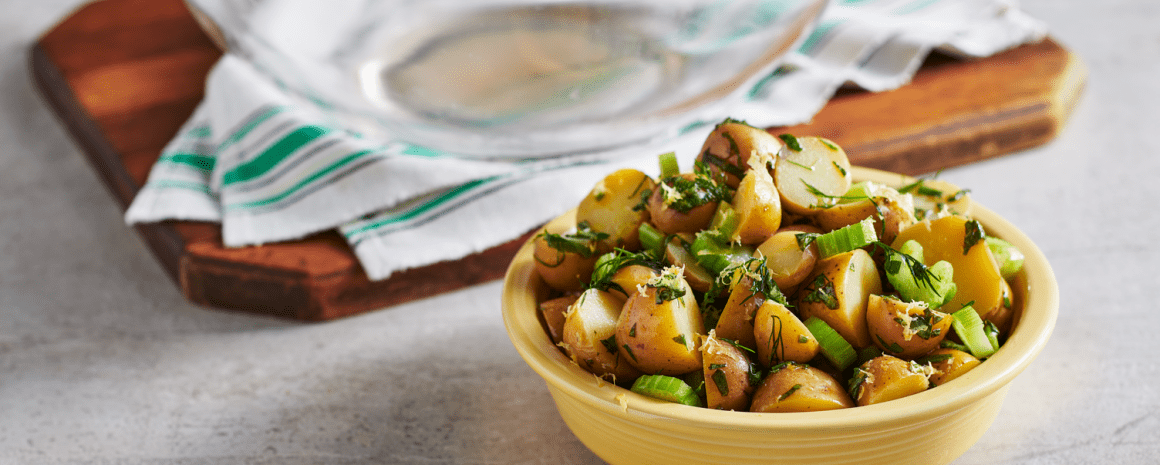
274,154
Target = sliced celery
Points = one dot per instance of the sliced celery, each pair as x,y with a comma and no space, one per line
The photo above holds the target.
714,254
666,388
1009,258
969,327
652,239
916,282
669,166
834,346
845,239
724,220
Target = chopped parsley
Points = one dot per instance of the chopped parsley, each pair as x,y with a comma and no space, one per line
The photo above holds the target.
721,381
582,242
821,290
789,392
974,235
683,193
791,142
668,285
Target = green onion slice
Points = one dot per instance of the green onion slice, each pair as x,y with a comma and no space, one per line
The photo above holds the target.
834,347
845,239
669,166
969,327
666,388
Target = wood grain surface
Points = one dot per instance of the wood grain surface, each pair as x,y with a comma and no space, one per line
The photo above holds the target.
123,75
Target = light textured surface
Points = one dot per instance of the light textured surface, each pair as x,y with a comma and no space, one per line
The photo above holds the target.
101,361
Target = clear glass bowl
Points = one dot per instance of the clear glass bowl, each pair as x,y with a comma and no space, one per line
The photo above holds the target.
514,78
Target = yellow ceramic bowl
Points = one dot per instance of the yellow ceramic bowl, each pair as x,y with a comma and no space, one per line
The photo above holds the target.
931,427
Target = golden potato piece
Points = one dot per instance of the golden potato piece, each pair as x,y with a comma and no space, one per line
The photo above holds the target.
905,329
782,337
608,208
949,364
730,146
976,274
726,369
837,292
811,179
660,326
589,336
799,388
885,378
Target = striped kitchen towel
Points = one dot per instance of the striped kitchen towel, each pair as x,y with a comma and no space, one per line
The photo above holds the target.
272,160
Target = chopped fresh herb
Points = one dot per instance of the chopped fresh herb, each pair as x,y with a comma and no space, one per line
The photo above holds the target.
789,392
934,358
582,242
716,366
608,264
802,339
974,235
893,346
923,325
821,289
632,331
684,193
958,195
643,204
919,187
799,165
755,374
828,144
857,382
667,285
630,352
721,381
721,164
600,195
610,343
840,169
734,343
805,239
680,339
791,142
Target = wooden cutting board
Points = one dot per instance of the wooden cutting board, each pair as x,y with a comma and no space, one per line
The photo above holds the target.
123,75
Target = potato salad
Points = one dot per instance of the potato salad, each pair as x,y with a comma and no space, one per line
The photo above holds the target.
764,278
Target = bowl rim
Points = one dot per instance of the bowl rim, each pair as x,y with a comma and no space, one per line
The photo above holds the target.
1031,334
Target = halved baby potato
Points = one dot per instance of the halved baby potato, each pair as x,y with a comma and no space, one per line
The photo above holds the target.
758,207
788,263
726,369
781,337
837,292
905,329
812,178
799,388
728,149
885,378
660,326
589,336
608,208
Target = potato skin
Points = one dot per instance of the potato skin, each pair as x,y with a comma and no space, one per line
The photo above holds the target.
799,388
554,312
889,322
671,221
729,147
590,321
661,338
563,271
758,207
608,208
885,378
958,364
780,336
724,363
787,262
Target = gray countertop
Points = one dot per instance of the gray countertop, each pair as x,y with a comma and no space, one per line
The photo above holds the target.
102,361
